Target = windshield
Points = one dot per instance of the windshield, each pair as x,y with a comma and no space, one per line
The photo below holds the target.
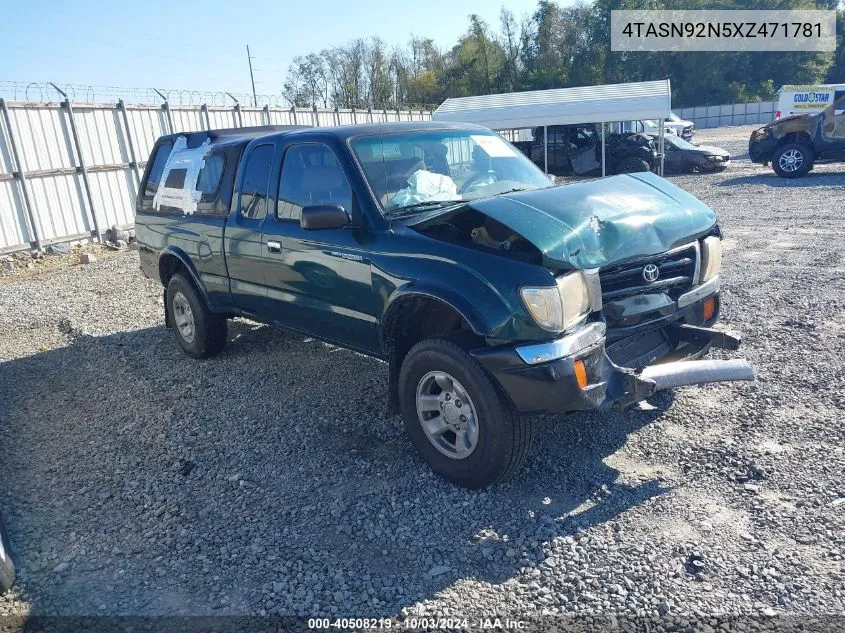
674,117
437,167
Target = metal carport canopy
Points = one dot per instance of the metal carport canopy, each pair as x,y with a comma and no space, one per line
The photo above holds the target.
562,106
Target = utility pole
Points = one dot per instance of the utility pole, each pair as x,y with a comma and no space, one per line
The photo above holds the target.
251,78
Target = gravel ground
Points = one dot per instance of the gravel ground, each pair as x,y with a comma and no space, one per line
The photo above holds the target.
134,480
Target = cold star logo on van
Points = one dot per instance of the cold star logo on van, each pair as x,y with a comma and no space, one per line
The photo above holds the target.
807,99
812,97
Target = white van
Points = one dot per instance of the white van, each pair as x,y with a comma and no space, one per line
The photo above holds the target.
673,125
807,99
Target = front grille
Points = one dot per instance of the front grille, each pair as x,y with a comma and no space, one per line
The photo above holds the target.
688,131
676,274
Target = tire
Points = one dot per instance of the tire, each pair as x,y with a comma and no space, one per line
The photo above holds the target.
199,332
632,165
802,160
7,568
500,437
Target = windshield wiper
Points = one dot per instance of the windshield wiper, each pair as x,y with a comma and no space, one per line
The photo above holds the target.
514,190
420,205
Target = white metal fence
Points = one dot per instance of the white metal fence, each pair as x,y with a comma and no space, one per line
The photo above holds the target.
730,114
70,171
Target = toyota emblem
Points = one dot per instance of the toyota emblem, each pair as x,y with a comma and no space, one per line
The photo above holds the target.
651,272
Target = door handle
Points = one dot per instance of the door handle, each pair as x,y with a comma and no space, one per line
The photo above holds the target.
274,247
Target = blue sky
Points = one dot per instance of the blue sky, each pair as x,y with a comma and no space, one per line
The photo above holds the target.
201,45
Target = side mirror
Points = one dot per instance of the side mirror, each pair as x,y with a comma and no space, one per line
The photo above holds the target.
323,216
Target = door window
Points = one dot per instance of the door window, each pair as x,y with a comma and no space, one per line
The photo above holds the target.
311,174
256,182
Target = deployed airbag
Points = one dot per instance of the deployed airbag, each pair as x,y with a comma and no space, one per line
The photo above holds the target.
425,186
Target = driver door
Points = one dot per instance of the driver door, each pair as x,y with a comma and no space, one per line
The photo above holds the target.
583,152
319,279
833,125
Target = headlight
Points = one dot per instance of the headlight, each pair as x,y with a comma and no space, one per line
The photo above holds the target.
545,306
575,297
559,308
711,258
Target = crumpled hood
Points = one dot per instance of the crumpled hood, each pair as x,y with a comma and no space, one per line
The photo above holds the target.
791,117
598,222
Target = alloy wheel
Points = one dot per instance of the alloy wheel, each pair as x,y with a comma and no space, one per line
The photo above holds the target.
184,317
791,160
447,414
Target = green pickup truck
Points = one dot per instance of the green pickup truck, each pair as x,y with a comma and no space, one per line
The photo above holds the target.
493,295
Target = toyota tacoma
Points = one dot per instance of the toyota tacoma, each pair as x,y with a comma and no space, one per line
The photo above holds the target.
493,295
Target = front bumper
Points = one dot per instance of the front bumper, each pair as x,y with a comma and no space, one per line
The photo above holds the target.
540,377
761,147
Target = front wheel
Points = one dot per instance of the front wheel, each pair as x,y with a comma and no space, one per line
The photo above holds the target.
457,419
7,568
793,160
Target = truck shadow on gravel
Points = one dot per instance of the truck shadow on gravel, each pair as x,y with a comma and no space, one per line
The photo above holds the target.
138,481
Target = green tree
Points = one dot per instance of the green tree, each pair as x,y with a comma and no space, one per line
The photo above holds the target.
555,47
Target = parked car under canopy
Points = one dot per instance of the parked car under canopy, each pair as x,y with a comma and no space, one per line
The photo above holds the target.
564,106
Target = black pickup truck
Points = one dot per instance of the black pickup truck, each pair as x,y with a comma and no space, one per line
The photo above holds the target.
794,144
493,295
575,150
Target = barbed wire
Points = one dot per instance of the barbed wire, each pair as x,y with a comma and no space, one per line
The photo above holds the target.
45,91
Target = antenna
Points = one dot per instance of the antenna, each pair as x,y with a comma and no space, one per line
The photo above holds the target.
251,78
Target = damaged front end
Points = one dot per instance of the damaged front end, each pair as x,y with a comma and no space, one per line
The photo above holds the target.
649,255
576,373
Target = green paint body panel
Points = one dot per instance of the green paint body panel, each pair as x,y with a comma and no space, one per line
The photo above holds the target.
341,284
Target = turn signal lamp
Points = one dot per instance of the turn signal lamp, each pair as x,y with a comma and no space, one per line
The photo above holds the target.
581,374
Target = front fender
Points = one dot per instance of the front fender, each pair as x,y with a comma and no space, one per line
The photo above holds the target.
482,287
450,297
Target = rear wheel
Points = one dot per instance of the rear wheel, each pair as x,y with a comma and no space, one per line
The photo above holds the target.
7,568
200,332
632,165
793,160
458,420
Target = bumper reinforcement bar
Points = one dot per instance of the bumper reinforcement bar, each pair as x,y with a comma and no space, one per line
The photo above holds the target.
716,338
696,372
